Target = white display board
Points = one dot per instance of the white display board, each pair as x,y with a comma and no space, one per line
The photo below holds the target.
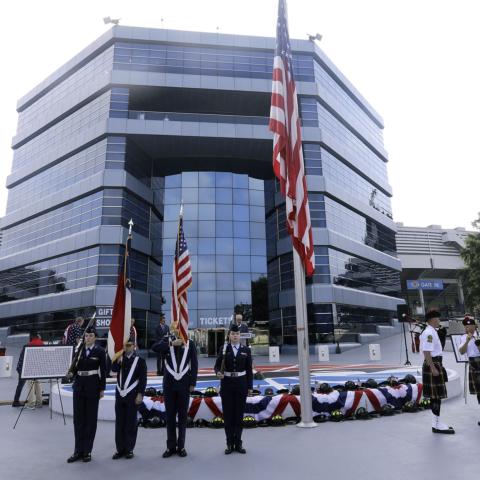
374,351
49,361
457,343
323,353
273,354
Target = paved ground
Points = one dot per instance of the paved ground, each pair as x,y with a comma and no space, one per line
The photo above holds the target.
396,447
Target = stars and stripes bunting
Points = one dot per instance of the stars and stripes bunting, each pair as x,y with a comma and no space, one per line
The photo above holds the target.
288,164
181,280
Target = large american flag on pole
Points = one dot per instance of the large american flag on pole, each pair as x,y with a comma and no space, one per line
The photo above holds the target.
181,280
121,322
288,164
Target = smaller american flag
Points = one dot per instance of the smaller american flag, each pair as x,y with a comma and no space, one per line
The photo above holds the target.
181,280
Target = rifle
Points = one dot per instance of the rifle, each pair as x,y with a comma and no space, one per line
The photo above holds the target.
72,371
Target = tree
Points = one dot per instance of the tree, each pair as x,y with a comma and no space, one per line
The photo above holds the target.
470,275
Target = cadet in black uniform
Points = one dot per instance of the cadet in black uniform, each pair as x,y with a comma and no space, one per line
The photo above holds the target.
131,382
88,389
234,368
180,378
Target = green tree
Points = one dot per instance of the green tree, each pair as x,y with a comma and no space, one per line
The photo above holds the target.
471,273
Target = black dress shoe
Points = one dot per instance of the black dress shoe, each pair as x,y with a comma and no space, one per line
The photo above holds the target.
229,450
87,457
17,404
117,455
449,431
76,456
129,455
182,452
240,449
168,453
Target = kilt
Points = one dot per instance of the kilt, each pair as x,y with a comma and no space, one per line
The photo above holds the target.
474,375
434,387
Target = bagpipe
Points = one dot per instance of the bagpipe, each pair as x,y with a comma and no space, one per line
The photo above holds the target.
79,348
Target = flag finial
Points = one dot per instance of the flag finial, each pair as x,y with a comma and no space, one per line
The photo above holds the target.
130,226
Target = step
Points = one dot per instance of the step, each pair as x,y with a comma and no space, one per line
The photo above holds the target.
364,338
386,330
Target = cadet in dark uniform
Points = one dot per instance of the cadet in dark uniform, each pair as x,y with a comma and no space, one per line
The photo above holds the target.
162,331
234,368
88,388
131,382
180,378
470,344
434,375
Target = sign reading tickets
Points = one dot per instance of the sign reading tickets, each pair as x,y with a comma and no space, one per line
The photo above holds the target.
103,317
425,284
215,321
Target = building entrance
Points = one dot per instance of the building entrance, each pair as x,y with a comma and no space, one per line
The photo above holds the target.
215,341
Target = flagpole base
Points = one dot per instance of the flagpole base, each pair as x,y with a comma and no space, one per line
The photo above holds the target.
307,425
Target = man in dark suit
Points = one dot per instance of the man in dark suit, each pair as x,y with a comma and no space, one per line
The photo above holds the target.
181,369
242,327
234,368
88,389
161,331
131,382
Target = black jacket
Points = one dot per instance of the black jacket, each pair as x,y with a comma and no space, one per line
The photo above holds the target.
140,374
190,378
161,331
241,362
91,385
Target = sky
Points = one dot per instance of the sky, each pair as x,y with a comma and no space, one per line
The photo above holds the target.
415,61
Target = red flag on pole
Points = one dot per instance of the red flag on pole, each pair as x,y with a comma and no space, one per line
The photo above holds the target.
122,307
288,164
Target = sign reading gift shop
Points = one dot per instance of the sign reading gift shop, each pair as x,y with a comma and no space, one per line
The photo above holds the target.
104,317
424,284
212,322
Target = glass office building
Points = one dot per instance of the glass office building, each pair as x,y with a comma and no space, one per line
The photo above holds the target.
143,120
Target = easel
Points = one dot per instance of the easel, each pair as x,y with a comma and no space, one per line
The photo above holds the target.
46,362
50,399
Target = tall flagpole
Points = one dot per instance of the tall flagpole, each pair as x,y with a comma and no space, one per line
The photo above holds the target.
302,343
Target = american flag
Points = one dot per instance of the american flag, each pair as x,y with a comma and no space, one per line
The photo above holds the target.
181,280
72,334
288,163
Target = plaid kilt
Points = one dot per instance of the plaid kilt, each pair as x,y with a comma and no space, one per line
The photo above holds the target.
434,387
474,375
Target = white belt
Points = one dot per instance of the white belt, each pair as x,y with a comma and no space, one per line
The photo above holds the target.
235,374
87,373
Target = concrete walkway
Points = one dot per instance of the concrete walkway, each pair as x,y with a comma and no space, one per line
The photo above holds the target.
395,447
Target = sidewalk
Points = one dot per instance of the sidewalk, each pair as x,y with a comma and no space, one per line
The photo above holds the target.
395,447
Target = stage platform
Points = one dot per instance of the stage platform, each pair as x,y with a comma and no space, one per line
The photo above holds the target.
280,377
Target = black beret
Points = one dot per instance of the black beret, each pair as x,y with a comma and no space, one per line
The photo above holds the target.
432,314
468,320
91,329
235,328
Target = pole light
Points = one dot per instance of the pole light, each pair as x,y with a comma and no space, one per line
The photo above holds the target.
312,38
107,20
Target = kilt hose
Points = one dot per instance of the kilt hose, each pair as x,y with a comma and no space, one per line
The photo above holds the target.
474,375
434,386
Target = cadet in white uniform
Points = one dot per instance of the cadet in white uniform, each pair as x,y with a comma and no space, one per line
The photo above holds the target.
470,344
434,375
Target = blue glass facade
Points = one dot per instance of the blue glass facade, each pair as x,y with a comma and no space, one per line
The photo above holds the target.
130,129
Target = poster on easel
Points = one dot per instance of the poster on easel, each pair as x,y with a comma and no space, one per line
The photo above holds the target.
457,343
